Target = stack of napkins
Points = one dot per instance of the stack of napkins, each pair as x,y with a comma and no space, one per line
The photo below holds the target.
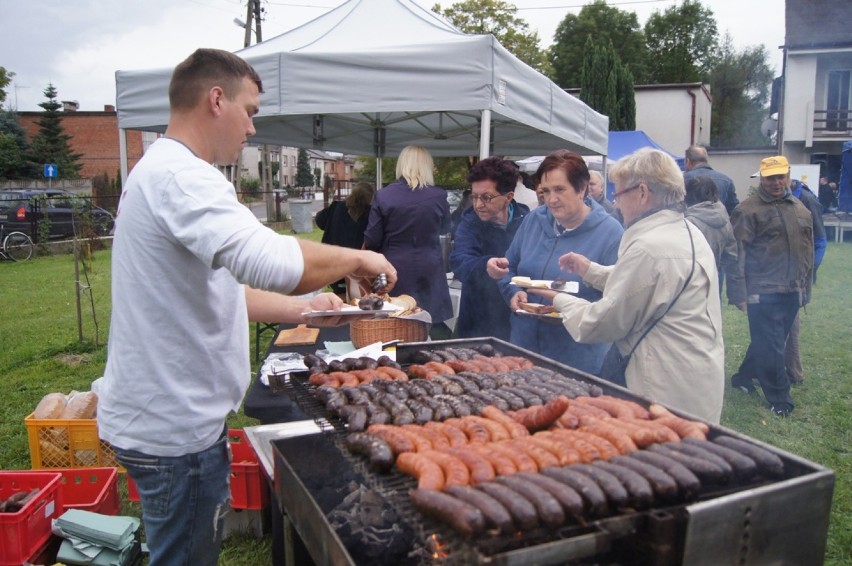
92,538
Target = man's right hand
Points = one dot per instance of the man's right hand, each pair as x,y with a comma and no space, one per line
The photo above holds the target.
371,265
497,267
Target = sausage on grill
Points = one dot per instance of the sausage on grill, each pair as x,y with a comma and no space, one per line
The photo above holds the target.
463,517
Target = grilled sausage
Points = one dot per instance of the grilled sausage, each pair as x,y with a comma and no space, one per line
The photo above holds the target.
613,489
355,417
440,368
687,482
523,512
374,448
502,464
496,430
767,462
542,457
639,490
744,467
590,491
514,428
707,471
426,471
437,440
455,471
398,441
565,454
521,460
541,417
699,452
548,508
455,436
463,517
568,497
665,487
496,515
511,399
479,467
475,432
393,373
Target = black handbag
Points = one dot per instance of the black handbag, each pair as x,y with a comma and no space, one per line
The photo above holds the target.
614,364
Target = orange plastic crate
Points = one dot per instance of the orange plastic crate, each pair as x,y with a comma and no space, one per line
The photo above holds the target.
23,533
68,443
91,489
248,490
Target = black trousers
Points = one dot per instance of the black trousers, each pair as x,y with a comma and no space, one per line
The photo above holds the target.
769,323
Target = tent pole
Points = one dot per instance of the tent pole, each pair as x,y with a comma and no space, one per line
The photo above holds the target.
378,172
485,134
122,151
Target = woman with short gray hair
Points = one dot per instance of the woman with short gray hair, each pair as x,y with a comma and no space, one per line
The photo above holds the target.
660,304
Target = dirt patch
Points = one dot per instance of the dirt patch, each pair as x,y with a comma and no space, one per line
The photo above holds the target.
73,360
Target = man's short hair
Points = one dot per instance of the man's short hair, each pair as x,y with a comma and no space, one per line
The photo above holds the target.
203,70
696,154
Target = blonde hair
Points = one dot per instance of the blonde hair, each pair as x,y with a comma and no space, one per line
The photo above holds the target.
654,168
415,165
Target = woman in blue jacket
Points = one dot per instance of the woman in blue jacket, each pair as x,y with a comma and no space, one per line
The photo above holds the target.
570,222
485,231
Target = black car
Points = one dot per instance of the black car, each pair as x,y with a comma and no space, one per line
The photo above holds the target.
67,213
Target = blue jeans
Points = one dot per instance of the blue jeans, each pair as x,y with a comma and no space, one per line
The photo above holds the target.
769,323
184,501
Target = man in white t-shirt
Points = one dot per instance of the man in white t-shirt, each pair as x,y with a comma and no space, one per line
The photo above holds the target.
188,265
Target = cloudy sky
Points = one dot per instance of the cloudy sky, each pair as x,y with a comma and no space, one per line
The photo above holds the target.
78,45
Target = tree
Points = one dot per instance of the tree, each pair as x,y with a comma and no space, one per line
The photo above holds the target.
13,148
682,43
602,23
499,19
740,83
5,80
51,143
304,177
607,86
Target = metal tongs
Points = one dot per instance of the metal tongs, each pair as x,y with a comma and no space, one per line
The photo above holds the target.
380,285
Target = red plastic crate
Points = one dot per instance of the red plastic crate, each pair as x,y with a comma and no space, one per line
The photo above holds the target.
91,489
23,533
248,490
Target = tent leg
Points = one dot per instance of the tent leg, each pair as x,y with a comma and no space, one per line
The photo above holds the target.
485,134
122,150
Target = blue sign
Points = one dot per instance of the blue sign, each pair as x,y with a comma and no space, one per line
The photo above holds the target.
51,170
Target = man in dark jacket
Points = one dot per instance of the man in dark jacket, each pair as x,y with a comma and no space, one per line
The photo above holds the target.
485,231
772,278
696,164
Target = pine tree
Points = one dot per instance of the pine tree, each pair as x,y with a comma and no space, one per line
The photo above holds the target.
607,85
304,177
625,100
51,143
13,148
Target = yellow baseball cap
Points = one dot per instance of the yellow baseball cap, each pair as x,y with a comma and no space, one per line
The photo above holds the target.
777,165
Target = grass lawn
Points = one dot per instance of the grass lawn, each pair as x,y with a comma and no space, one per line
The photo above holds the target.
41,353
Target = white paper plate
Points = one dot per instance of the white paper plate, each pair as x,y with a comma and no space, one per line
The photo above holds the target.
349,310
570,286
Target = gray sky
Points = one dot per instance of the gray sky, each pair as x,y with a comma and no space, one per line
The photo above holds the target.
79,44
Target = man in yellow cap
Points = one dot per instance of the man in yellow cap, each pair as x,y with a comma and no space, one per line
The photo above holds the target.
772,278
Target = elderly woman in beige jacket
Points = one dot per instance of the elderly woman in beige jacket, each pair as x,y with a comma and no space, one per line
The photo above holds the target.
680,362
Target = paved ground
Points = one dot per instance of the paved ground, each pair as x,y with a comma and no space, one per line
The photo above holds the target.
259,208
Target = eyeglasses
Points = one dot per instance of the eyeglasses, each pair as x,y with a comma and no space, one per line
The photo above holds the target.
486,199
616,196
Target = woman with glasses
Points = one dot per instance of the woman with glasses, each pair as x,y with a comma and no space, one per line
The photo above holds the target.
660,299
406,219
569,222
485,231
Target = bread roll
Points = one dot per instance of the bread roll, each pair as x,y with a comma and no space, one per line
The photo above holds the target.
51,406
81,406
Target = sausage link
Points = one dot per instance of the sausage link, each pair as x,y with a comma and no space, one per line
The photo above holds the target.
612,487
437,440
455,436
707,471
475,432
496,430
703,454
374,448
515,429
455,471
665,487
548,508
592,494
479,467
568,497
426,471
523,512
502,464
522,461
398,441
687,482
639,490
543,458
463,517
496,515
393,373
565,454
767,462
744,467
440,368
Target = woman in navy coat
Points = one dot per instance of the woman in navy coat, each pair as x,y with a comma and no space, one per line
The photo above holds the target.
406,219
485,231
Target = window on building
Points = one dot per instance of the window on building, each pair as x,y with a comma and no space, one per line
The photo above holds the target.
284,161
286,180
837,101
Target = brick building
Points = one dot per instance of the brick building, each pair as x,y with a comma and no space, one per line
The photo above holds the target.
94,135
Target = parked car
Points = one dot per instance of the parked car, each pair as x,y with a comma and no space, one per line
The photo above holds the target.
67,213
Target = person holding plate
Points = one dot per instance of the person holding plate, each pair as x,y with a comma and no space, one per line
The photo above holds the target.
569,222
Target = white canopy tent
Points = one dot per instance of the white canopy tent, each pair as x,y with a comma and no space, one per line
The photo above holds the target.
373,76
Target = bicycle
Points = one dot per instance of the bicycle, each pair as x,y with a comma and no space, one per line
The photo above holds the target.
16,246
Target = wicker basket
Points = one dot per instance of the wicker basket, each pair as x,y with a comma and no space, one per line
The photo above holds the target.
365,332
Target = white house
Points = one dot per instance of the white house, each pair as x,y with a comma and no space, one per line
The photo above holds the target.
675,116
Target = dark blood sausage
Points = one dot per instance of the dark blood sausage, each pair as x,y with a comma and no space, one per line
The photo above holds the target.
639,490
665,487
589,490
767,462
567,496
705,455
687,482
548,508
463,517
523,512
374,448
744,467
707,471
613,489
355,417
496,515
